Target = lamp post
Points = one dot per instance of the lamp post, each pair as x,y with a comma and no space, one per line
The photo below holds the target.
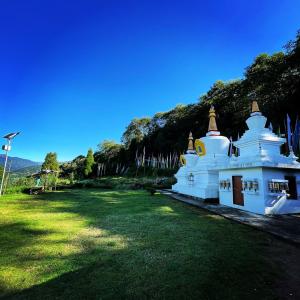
7,148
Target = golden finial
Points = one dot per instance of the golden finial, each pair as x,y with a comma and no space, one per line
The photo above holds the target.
212,120
191,144
255,107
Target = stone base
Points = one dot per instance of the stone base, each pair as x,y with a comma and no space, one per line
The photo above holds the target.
196,191
212,200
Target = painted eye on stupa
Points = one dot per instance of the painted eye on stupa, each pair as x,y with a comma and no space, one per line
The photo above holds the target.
200,148
182,160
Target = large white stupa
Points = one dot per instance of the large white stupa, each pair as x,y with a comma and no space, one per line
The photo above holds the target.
199,174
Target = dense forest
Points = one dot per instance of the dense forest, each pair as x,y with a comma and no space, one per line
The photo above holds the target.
152,145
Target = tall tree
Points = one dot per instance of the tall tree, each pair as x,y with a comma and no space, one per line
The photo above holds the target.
51,162
108,150
89,163
137,129
75,167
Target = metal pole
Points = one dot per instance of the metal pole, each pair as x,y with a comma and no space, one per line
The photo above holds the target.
5,163
7,178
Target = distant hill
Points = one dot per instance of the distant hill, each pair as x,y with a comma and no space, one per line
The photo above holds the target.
26,171
18,163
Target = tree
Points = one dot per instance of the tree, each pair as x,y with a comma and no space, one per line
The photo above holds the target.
89,163
51,162
108,150
74,168
111,156
136,130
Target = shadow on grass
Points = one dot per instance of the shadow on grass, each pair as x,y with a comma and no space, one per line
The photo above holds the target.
141,247
14,236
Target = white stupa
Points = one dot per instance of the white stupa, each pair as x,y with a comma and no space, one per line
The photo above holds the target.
260,179
259,146
199,175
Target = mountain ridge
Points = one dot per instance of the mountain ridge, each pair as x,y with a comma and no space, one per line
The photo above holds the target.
18,163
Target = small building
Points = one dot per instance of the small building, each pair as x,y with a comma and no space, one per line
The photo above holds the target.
260,179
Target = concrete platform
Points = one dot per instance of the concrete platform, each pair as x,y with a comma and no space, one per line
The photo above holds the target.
286,227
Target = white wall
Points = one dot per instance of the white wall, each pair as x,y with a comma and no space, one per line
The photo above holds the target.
260,201
253,201
205,184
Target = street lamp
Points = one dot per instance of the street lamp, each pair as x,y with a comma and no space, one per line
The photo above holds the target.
7,148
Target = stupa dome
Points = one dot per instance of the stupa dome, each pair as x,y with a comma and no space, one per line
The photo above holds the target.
216,145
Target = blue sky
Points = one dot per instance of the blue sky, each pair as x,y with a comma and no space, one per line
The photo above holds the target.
73,73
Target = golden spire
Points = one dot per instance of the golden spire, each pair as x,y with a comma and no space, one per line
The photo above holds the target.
255,107
212,120
191,144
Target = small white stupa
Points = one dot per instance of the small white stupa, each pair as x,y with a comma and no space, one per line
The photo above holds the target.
199,174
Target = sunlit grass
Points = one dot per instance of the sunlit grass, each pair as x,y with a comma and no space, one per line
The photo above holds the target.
126,244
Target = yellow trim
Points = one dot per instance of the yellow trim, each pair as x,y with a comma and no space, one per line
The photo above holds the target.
182,160
200,147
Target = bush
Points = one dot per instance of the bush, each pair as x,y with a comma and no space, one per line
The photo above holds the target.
16,189
150,172
125,183
151,190
78,185
117,183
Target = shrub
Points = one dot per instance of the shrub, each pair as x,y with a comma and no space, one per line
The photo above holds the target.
17,189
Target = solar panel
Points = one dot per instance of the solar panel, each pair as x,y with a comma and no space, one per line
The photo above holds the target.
11,135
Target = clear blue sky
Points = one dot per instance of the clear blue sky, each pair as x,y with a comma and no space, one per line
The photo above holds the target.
73,73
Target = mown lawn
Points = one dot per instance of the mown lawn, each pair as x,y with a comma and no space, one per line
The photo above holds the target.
96,244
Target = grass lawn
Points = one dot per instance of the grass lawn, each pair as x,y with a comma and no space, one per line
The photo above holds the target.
96,244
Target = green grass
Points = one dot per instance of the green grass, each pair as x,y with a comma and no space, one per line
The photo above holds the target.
96,244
